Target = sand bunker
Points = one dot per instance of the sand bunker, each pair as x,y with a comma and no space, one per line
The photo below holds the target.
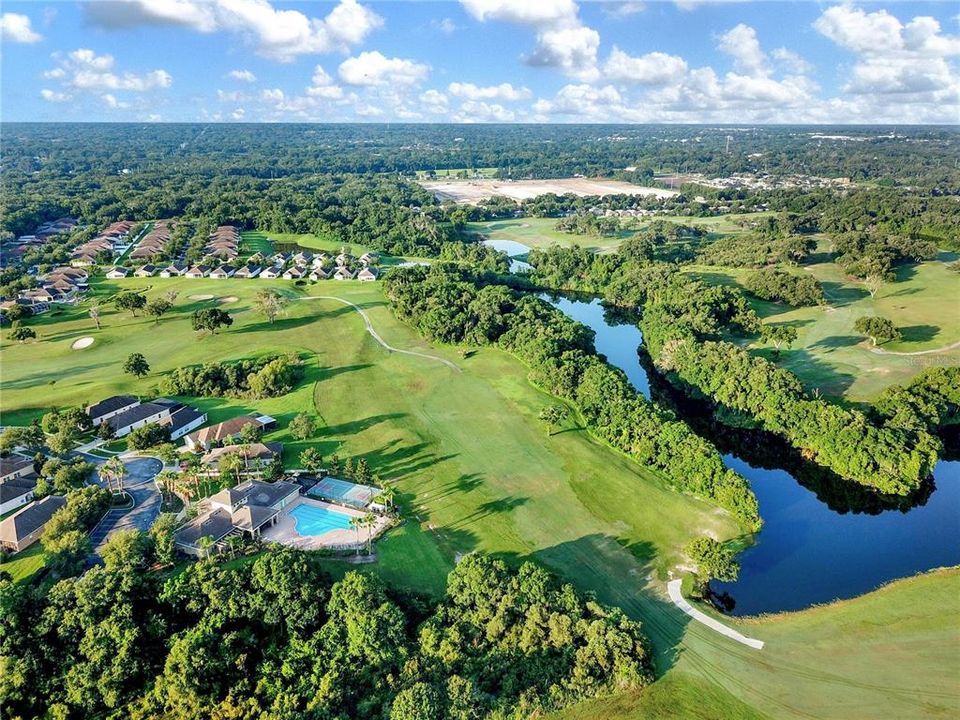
82,343
231,299
201,297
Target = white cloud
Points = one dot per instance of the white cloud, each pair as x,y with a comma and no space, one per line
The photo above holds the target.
477,111
111,102
280,35
896,63
52,96
445,25
83,69
15,28
323,86
563,41
503,91
238,114
242,76
742,45
572,49
654,68
373,68
434,102
580,100
791,61
623,10
534,12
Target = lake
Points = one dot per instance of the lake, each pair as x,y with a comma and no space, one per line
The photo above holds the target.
823,538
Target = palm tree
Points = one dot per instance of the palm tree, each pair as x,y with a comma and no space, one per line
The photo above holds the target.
188,487
369,522
113,470
387,496
234,543
204,544
356,523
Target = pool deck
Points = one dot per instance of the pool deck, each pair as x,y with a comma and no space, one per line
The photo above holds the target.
285,531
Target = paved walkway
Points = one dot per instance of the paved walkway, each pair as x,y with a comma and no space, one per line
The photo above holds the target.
376,336
673,587
945,348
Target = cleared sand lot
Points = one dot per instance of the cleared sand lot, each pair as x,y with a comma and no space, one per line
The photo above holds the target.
471,192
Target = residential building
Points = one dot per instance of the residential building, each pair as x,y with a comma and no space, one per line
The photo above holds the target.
136,417
183,420
173,270
343,273
23,528
15,466
223,432
222,273
146,271
197,271
111,407
242,510
17,492
248,271
368,274
118,273
257,458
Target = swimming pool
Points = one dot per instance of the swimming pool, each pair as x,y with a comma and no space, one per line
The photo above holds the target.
314,520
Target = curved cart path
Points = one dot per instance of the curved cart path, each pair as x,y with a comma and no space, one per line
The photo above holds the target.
673,587
945,348
376,336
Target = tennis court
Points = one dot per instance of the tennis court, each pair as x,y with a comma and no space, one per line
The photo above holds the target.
343,492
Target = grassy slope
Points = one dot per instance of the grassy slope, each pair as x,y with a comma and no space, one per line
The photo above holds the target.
477,472
831,355
23,565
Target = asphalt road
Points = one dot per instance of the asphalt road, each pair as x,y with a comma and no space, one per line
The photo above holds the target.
139,483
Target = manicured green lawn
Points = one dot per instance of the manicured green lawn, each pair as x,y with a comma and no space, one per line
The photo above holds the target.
255,241
476,471
831,356
24,564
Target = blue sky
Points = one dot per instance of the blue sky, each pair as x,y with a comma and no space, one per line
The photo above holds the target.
481,61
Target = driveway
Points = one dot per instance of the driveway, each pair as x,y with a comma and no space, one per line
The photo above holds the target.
139,483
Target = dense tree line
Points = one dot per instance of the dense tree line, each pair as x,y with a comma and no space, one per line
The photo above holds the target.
452,304
931,400
267,376
684,322
780,286
755,250
278,639
866,255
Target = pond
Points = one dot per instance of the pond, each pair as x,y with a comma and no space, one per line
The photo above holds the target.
510,247
823,538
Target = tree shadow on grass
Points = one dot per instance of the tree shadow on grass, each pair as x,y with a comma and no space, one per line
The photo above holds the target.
832,342
839,294
919,333
356,426
331,372
595,564
394,460
817,373
278,325
45,378
492,507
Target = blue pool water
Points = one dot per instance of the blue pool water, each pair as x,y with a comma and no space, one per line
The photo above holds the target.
313,520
